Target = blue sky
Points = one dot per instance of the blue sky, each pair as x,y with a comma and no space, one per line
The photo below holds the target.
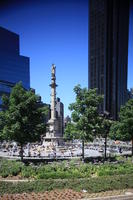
54,31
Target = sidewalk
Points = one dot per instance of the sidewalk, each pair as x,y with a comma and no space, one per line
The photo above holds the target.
126,194
119,197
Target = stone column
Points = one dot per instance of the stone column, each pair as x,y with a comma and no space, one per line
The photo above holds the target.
53,92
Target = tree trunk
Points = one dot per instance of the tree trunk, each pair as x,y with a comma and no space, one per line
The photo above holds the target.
132,146
105,150
83,150
21,152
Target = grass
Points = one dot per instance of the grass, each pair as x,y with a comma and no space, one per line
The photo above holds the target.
92,185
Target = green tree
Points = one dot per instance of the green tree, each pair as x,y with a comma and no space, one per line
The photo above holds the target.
104,129
85,113
24,118
70,132
2,124
123,129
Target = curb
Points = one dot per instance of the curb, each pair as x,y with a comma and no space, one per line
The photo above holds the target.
118,197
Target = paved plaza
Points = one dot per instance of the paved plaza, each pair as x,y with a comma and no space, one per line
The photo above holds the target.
67,150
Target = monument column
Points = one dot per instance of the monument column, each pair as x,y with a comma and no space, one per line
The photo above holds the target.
53,134
53,92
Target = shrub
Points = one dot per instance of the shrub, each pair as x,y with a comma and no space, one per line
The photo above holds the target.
28,171
63,170
10,168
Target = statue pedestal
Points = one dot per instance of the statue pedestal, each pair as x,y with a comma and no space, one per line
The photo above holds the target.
52,135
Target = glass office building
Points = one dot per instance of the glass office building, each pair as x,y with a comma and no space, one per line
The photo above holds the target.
13,66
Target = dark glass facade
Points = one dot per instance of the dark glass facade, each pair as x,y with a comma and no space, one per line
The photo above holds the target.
108,51
60,116
13,66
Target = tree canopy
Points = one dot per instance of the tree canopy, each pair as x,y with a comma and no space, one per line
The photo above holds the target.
2,124
104,128
23,120
123,129
71,132
85,113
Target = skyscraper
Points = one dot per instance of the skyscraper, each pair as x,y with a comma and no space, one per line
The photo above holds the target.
13,66
108,51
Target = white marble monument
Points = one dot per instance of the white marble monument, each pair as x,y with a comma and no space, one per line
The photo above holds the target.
53,134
